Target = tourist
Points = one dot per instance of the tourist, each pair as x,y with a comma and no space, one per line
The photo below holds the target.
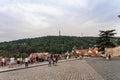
26,62
109,56
67,56
80,56
18,61
3,61
12,61
54,61
32,59
50,61
21,60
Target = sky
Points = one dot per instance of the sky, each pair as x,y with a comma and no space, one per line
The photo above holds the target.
21,19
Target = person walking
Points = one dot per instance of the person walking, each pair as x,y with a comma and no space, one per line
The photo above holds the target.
18,61
26,62
49,61
12,61
3,61
109,56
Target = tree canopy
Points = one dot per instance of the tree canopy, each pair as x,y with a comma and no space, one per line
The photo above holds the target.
52,44
107,39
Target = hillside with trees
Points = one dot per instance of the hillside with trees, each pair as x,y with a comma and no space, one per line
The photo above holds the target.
52,44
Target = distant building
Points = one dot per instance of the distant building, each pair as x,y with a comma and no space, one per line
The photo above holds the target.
114,52
90,52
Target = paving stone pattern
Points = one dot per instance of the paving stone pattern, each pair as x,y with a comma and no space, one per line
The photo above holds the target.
71,70
109,70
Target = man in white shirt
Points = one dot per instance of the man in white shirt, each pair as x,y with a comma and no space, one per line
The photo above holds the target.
3,61
26,62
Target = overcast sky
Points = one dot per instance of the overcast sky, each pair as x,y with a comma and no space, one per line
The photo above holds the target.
21,19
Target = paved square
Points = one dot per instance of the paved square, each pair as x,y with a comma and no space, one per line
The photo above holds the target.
109,70
71,70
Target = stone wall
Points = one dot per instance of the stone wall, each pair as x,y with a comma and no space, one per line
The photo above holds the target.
113,51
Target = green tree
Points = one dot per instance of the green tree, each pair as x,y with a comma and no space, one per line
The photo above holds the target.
106,39
52,44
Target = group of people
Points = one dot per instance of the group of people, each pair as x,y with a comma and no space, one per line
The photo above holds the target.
12,61
52,59
18,60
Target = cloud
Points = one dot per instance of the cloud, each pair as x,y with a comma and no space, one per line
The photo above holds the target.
33,14
31,18
81,3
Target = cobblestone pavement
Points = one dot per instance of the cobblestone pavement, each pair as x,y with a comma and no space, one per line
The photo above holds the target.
109,70
71,70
